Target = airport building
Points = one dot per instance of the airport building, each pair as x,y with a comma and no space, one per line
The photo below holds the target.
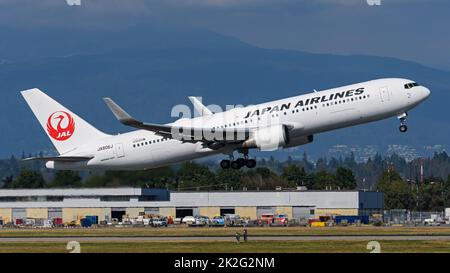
108,203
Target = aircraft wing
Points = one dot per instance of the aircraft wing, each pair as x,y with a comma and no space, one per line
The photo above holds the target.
60,158
179,132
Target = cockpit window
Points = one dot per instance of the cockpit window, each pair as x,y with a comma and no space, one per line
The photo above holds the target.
411,85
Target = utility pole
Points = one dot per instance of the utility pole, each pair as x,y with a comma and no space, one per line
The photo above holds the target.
421,170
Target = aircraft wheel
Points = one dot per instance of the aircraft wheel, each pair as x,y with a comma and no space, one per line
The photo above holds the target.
235,165
403,128
225,164
241,162
251,163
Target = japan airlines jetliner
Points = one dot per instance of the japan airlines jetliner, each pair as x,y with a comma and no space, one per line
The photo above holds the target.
268,126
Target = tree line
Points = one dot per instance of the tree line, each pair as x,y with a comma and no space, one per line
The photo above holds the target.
191,176
401,181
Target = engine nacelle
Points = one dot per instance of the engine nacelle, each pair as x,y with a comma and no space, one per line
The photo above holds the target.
269,138
297,141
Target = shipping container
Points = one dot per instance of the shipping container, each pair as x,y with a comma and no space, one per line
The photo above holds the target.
85,222
318,224
93,219
352,219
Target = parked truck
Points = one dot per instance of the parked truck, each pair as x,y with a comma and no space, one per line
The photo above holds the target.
434,220
266,219
233,220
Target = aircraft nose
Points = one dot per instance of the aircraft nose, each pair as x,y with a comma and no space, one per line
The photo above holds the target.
426,92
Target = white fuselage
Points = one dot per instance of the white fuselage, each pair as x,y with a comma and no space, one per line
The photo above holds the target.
306,115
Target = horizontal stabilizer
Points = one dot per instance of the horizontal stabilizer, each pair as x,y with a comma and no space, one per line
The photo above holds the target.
61,158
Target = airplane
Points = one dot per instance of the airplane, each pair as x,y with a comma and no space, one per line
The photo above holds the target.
267,126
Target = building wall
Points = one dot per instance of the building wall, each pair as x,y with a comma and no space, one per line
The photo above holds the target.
166,211
37,213
285,210
321,199
324,212
133,212
71,214
90,198
209,211
6,215
371,200
246,212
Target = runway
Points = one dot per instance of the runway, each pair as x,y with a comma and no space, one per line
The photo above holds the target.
228,238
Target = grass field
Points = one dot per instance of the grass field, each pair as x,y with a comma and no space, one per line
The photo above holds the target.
183,231
231,247
253,246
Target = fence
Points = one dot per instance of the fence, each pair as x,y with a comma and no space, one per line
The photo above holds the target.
403,216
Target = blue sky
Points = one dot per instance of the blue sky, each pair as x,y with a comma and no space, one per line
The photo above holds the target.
415,30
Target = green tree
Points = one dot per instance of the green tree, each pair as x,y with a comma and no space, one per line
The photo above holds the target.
262,178
397,193
66,179
192,175
294,175
432,194
227,179
8,181
323,180
28,179
345,178
164,177
95,181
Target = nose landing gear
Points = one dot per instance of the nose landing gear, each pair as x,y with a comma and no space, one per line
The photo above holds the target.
403,128
238,163
402,117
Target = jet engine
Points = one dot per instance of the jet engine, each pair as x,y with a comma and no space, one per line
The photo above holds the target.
268,138
297,141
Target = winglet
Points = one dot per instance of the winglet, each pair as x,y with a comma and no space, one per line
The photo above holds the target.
201,109
128,120
119,113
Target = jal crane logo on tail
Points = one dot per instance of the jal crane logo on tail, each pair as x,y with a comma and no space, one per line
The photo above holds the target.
60,125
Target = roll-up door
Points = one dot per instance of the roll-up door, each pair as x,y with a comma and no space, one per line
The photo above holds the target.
55,213
302,212
265,210
152,211
19,213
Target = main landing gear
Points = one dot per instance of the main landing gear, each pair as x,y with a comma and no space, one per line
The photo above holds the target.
402,117
238,163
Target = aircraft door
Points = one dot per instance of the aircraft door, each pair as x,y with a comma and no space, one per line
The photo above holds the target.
119,150
384,94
